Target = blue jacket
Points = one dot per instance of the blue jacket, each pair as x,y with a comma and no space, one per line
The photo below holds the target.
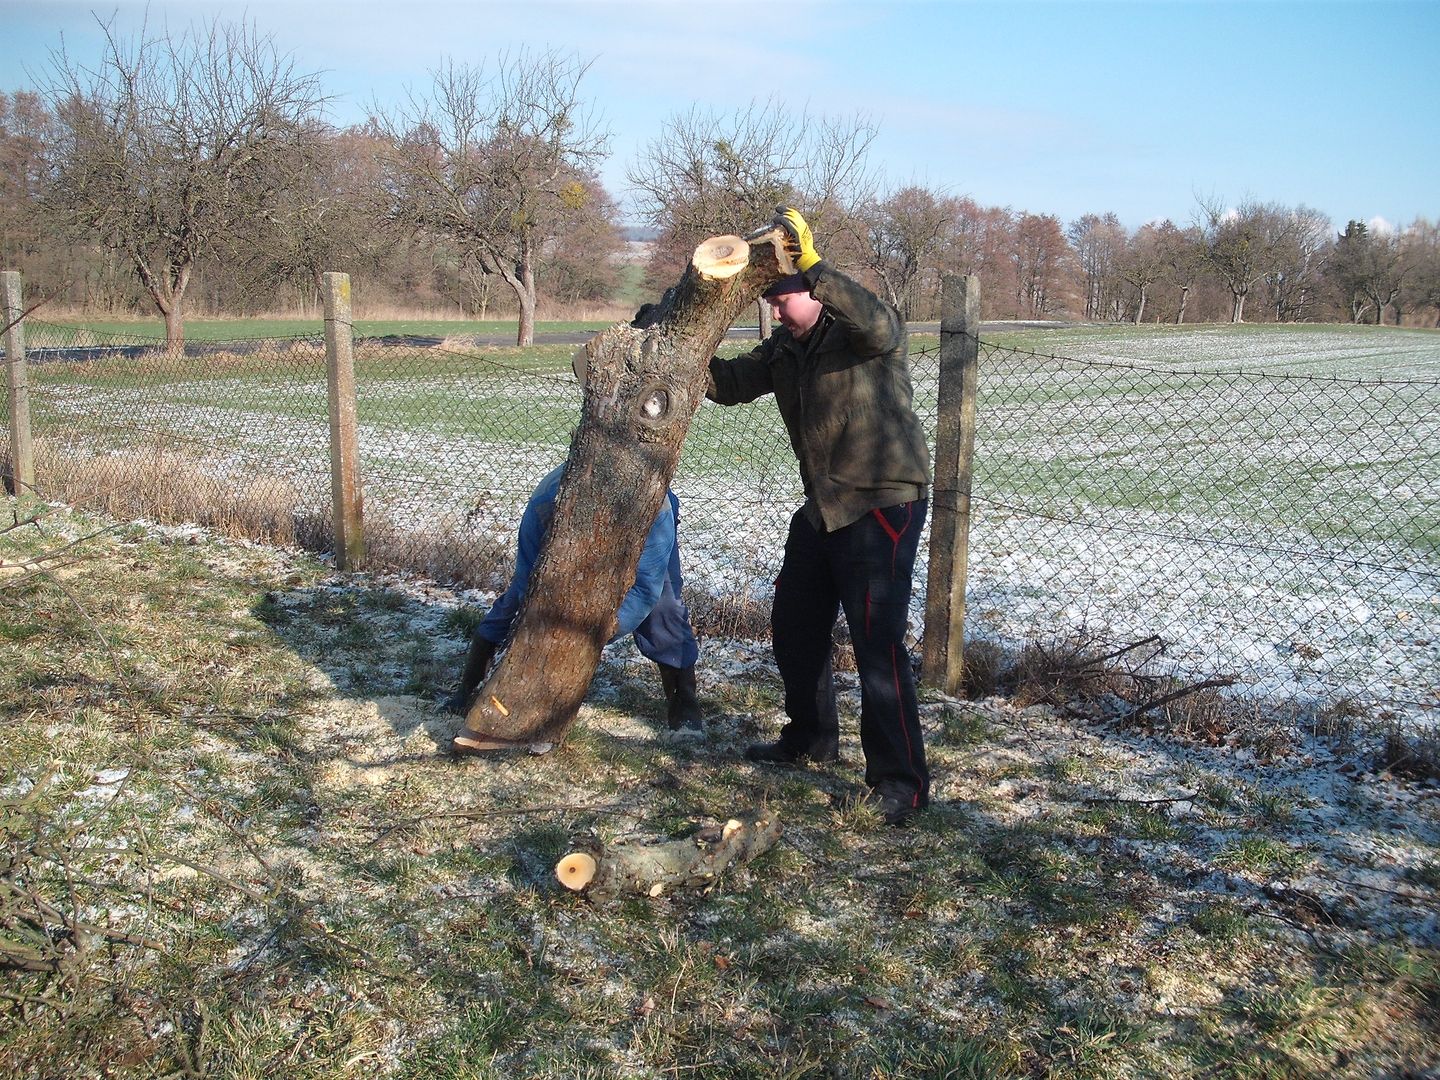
535,522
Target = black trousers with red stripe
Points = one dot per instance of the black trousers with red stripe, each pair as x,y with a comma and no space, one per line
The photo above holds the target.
864,569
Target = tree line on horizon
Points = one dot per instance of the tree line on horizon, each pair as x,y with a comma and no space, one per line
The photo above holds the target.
195,173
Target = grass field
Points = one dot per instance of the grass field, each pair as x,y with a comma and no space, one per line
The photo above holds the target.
221,330
231,846
1323,350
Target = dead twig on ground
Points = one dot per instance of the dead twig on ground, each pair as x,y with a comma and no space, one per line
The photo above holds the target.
1111,799
1176,695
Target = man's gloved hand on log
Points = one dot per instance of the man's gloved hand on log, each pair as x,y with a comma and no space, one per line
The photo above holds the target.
801,244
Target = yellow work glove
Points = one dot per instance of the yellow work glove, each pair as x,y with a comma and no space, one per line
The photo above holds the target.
802,244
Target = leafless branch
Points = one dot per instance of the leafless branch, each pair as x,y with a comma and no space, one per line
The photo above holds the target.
1176,695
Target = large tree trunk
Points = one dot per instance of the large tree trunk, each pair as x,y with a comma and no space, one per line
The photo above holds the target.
525,294
644,383
174,329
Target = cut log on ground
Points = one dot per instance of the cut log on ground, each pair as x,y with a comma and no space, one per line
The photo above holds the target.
653,869
645,381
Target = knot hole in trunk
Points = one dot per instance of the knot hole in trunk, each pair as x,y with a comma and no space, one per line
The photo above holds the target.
654,405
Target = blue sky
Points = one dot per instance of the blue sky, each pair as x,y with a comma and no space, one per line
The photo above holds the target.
1056,108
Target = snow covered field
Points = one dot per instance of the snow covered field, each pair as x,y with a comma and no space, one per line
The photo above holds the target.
1265,499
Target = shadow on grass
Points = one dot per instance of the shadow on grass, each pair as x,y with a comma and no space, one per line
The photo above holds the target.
1060,905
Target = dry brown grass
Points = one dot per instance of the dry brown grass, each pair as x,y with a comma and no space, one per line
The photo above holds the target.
1110,683
444,553
1065,672
1415,755
985,666
168,486
728,615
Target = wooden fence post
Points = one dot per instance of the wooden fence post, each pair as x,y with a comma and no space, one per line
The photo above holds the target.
347,500
22,449
943,659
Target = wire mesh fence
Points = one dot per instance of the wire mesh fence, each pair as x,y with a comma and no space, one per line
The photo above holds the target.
232,435
1282,530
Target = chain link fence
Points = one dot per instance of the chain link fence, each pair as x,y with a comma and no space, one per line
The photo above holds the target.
231,435
1280,529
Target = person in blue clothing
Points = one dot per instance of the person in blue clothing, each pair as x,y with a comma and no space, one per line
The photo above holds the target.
652,610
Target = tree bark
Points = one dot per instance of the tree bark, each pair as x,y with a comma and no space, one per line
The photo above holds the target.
525,294
644,383
651,869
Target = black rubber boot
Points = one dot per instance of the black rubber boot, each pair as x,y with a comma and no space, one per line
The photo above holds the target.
477,664
682,707
820,743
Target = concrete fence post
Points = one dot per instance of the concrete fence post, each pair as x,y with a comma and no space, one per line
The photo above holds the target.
943,655
22,449
346,496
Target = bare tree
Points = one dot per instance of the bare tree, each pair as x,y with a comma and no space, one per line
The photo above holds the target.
1098,240
321,214
1421,247
578,265
164,147
709,174
1293,287
980,243
1039,255
488,161
905,232
1141,263
1245,244
1385,275
25,129
1182,254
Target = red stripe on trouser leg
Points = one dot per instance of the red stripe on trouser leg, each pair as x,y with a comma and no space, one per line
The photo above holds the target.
904,727
892,533
889,529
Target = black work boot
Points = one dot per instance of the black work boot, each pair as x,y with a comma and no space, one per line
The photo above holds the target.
477,664
785,751
820,743
897,808
682,708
